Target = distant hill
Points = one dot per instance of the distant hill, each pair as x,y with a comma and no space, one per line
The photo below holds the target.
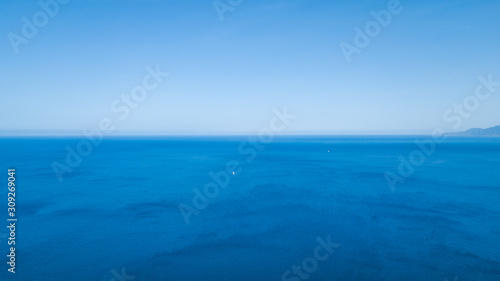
476,132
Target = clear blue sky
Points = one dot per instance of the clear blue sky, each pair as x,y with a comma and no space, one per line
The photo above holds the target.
227,76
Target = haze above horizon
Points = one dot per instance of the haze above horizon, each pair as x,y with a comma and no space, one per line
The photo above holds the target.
180,68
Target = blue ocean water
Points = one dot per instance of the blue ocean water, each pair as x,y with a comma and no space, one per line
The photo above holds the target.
116,215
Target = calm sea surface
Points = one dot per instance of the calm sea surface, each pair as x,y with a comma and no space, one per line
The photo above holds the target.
116,215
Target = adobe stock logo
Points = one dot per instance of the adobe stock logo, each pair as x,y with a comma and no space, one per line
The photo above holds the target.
454,116
310,264
372,29
221,8
123,276
222,178
122,107
49,9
